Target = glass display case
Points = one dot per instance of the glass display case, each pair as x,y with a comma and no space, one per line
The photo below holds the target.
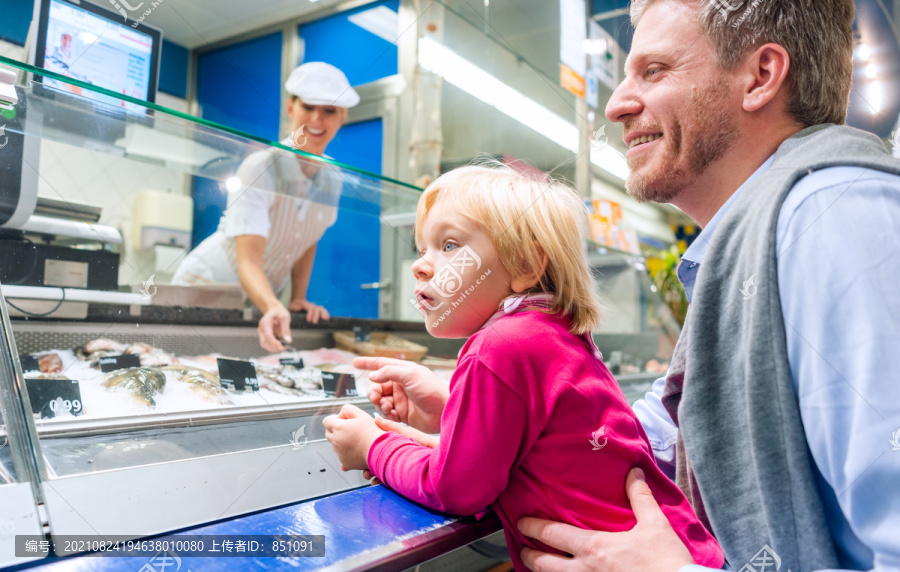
119,416
136,402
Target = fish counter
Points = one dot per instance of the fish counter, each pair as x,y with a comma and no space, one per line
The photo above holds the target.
140,427
136,370
166,383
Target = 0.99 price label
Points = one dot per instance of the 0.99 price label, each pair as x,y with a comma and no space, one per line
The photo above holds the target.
54,397
58,405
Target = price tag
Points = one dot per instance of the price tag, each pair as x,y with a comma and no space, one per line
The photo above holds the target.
338,384
52,397
362,334
296,362
238,375
29,363
124,361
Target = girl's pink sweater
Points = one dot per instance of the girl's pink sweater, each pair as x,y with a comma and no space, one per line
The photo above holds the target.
536,426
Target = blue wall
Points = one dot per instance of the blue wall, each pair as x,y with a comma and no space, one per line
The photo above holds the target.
361,55
238,86
15,17
350,252
173,69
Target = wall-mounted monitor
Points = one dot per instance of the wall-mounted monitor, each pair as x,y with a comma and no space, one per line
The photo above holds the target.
98,46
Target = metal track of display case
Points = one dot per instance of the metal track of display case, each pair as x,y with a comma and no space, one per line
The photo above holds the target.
21,434
19,498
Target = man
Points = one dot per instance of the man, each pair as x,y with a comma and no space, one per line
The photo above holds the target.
785,386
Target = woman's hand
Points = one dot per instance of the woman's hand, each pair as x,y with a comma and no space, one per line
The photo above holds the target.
405,391
276,320
275,323
351,434
314,312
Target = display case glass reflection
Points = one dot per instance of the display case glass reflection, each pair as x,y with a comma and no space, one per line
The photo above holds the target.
129,244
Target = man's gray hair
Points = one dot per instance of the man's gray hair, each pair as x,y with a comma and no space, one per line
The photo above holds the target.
817,34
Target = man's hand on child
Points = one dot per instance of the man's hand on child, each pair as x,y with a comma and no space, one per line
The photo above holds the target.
351,434
610,551
405,391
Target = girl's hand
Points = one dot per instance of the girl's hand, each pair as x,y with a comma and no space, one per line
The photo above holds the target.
423,439
419,437
351,434
405,391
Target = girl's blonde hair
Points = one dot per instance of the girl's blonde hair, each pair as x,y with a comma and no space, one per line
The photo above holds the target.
524,218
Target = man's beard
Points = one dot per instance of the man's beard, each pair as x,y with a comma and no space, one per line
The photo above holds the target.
707,131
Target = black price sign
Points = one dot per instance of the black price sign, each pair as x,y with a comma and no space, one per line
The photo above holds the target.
338,384
362,334
29,362
238,375
296,362
52,397
124,361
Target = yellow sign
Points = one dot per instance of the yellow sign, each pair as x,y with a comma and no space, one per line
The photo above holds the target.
571,80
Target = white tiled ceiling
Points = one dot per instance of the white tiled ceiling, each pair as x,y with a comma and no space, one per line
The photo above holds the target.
198,23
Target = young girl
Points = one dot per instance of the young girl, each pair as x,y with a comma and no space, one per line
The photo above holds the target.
535,425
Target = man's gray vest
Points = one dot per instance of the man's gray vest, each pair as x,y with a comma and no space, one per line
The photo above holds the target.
747,469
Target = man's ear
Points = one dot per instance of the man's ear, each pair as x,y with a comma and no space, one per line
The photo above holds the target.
766,70
529,280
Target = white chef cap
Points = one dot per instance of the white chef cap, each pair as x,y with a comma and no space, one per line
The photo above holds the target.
318,83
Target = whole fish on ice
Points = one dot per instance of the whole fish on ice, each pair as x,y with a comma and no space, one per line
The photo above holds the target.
142,382
150,356
202,382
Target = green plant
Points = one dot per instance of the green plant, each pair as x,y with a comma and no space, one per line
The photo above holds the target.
666,280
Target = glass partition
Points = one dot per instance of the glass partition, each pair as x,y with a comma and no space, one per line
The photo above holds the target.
169,194
143,375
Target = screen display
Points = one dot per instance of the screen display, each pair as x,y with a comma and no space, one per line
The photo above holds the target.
95,50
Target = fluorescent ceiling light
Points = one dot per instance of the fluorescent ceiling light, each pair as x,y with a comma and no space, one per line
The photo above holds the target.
381,21
468,77
864,52
871,72
876,98
595,46
608,158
